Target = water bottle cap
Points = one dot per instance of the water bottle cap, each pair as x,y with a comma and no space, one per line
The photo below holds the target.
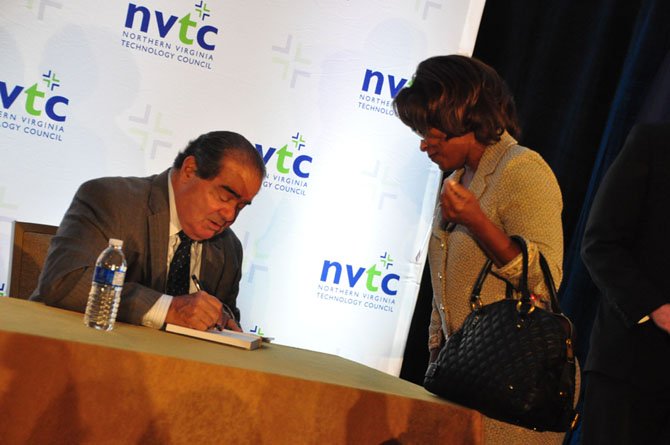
115,242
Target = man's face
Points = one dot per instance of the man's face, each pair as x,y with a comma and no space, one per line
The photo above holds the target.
208,206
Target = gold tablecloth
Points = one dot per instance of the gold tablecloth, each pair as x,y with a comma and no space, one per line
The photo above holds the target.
61,382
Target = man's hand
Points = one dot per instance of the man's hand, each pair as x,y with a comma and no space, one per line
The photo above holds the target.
200,311
661,317
232,325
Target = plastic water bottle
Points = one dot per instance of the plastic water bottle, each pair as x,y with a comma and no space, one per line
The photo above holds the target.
105,294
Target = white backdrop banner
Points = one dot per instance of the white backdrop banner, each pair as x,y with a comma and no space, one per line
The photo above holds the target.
335,241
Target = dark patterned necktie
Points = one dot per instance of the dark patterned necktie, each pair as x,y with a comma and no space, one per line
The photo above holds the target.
180,266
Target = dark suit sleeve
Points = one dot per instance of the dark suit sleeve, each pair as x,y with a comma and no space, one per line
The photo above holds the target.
612,231
66,276
232,274
92,218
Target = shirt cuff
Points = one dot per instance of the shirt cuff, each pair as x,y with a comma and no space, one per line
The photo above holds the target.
434,342
512,269
155,317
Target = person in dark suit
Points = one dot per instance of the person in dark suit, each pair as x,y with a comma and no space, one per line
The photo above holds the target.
626,249
210,182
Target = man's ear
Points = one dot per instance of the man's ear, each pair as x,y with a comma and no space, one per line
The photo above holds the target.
189,167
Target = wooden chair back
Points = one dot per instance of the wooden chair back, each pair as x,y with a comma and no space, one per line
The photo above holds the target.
31,242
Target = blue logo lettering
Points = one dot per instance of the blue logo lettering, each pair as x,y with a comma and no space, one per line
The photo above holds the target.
164,26
354,274
285,162
33,100
378,77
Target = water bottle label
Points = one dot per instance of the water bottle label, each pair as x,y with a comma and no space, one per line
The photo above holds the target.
118,278
110,277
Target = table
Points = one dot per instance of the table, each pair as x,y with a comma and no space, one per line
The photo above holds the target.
62,382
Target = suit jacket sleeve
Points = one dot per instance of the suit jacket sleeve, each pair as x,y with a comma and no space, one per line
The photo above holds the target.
227,288
530,206
94,216
612,231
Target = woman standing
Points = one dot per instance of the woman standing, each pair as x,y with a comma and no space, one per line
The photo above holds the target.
466,117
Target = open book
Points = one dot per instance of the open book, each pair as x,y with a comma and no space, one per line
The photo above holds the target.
228,337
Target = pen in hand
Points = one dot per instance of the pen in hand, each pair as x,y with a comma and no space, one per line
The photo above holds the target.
199,288
196,282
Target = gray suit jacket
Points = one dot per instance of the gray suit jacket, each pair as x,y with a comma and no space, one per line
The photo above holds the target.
137,211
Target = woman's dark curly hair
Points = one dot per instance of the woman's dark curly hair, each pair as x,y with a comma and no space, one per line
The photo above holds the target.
456,95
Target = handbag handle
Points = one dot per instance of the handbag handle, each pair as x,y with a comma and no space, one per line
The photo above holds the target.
549,282
475,299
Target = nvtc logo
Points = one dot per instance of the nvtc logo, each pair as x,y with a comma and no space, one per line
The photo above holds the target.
374,278
36,100
166,24
379,80
286,159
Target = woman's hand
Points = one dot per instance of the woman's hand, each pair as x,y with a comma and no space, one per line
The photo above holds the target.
459,205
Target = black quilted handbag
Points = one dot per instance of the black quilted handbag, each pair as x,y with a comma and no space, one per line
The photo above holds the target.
510,360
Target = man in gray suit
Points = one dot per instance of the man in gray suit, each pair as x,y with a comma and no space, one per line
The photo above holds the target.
210,182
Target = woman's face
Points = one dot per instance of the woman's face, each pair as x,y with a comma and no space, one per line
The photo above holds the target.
451,153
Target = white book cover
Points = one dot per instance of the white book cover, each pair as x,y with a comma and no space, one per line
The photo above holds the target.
226,336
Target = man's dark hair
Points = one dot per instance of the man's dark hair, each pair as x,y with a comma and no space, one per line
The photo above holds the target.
211,148
457,95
